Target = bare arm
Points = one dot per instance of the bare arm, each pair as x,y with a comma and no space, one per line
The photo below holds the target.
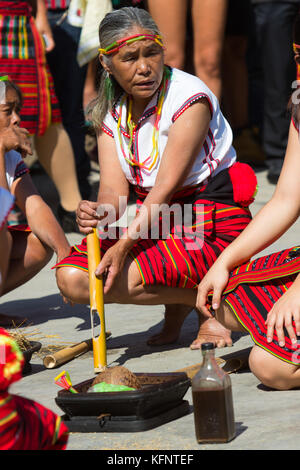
113,186
113,183
40,217
42,24
276,216
267,226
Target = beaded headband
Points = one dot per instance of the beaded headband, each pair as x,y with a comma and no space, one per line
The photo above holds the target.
115,46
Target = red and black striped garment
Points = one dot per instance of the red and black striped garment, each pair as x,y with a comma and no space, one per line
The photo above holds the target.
24,423
22,58
27,425
253,289
182,255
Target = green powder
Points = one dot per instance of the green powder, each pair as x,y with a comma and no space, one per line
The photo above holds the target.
104,387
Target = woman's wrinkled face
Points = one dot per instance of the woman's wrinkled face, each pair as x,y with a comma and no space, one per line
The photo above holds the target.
10,110
138,67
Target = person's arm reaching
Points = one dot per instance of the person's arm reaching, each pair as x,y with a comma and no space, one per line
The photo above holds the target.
39,216
273,220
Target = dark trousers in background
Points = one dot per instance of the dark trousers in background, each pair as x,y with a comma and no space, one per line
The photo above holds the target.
69,81
272,71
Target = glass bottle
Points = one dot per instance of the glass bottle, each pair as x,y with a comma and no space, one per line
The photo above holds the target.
212,400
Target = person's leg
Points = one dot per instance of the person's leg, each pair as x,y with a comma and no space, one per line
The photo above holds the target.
69,79
208,329
56,156
209,19
273,372
28,256
171,21
274,23
270,370
235,81
174,317
128,289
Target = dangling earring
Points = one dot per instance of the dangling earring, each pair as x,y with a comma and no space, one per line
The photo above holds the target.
109,87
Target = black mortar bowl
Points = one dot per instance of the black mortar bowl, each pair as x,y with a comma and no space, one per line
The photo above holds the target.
158,393
34,347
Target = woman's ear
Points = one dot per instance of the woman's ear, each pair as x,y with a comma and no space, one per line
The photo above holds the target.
104,65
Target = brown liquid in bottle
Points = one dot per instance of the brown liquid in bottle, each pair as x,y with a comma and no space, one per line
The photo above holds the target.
213,414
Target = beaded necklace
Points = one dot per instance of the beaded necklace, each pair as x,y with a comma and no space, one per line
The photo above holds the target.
152,159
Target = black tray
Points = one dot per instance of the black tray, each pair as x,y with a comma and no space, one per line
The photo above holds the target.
35,346
124,423
159,393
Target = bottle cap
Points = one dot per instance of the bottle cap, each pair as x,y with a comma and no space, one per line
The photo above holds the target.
207,346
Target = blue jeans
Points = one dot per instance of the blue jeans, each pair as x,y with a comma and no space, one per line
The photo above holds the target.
69,81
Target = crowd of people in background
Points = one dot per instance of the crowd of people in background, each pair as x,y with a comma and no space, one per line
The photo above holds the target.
241,50
245,54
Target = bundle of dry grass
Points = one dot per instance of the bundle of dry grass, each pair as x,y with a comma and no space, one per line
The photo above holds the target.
24,339
21,340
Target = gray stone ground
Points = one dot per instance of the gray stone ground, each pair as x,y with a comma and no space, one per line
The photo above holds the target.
265,419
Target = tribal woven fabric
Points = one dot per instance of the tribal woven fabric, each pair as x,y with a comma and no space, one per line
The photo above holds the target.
24,424
27,425
22,58
181,256
253,289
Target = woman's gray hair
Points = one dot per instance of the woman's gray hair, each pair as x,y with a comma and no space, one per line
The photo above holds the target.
116,25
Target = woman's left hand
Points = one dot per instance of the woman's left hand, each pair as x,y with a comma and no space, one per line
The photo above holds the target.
283,313
112,264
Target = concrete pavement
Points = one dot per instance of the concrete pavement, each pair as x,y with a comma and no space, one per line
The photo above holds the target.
265,419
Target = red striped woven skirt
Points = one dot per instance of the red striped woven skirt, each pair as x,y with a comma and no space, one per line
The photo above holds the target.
22,58
181,258
253,289
24,424
27,425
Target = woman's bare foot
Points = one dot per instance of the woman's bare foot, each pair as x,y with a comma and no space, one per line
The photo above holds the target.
211,331
174,318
